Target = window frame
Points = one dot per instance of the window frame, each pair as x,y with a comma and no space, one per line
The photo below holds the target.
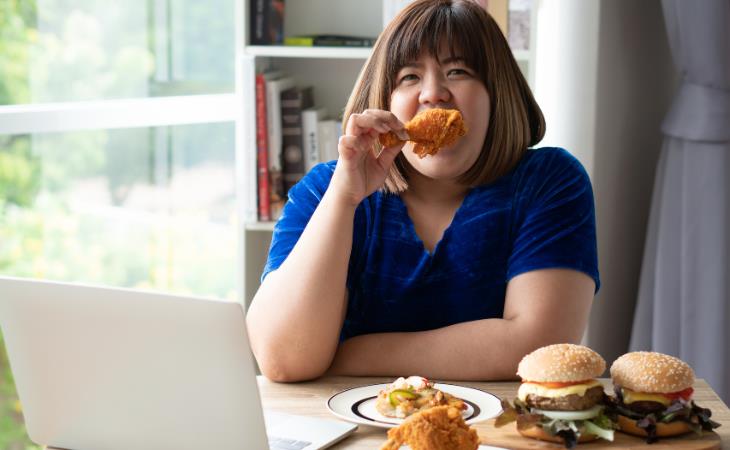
159,111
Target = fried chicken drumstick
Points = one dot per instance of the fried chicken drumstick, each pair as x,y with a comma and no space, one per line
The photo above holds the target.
437,428
430,130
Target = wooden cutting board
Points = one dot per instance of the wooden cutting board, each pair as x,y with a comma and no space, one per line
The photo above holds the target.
507,437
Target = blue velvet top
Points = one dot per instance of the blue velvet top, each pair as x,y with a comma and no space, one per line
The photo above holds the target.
540,215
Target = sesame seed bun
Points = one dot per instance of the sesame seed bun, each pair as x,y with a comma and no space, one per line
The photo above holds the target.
652,372
662,429
561,363
538,433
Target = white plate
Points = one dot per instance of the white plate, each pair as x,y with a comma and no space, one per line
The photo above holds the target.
358,404
481,447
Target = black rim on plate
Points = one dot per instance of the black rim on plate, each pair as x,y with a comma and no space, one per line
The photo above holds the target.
356,410
357,413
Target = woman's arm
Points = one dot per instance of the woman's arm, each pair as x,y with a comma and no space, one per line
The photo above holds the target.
541,307
295,318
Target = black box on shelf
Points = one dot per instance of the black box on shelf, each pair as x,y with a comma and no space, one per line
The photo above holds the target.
267,22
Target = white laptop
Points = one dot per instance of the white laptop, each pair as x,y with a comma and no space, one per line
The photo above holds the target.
102,368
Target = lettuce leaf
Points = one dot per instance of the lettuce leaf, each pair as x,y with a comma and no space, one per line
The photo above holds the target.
696,417
601,432
568,430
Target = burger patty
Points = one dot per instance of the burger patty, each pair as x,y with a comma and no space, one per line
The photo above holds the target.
641,407
645,407
572,402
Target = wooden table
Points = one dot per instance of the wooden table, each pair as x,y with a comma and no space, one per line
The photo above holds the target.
309,399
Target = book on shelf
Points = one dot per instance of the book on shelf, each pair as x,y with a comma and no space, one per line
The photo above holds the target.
277,194
293,101
262,151
266,22
262,145
310,121
329,135
329,40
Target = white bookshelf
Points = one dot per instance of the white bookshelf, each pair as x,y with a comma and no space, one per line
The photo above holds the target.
260,226
332,72
522,55
282,51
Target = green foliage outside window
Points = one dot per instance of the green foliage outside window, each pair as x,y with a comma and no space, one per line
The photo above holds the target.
19,180
38,234
12,431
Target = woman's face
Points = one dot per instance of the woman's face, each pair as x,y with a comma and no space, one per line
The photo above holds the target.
428,83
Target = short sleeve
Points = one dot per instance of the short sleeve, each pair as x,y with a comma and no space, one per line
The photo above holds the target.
554,225
304,197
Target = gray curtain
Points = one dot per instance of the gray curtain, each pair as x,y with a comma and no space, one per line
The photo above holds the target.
683,305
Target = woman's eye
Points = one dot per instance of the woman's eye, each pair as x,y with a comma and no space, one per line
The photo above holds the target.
408,77
458,72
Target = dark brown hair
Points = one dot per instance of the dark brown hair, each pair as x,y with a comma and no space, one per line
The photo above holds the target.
516,121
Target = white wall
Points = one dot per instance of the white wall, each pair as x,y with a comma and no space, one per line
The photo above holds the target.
636,82
604,80
566,74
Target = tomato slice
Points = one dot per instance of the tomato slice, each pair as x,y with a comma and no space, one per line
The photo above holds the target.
685,394
558,385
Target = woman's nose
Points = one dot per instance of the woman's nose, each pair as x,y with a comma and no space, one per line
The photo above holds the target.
434,91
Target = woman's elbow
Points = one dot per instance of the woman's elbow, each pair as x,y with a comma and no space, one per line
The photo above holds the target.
285,363
287,372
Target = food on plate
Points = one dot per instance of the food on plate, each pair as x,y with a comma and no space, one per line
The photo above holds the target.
559,399
406,396
430,130
654,396
438,428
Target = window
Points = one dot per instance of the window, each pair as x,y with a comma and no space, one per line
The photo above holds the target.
118,155
138,207
117,143
76,50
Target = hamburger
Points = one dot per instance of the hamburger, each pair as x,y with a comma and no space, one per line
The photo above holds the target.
559,399
654,397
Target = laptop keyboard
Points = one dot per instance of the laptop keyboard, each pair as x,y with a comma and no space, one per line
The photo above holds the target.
277,443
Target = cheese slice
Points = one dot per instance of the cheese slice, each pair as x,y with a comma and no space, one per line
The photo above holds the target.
542,391
631,397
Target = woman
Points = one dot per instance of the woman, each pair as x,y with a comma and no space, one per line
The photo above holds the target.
453,266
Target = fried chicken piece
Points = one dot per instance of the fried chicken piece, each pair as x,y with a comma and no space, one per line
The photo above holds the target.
438,428
430,130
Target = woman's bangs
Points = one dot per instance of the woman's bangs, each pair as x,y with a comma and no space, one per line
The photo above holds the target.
466,43
427,30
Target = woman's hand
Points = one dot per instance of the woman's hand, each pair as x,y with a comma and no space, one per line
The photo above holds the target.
360,172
